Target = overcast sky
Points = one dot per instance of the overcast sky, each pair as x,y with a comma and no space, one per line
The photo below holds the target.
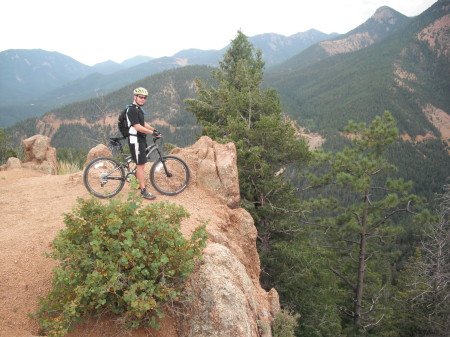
93,31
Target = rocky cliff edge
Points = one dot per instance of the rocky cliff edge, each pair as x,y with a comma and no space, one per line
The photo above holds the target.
228,299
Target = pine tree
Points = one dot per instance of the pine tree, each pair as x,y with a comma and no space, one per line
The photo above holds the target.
239,110
422,299
367,212
6,150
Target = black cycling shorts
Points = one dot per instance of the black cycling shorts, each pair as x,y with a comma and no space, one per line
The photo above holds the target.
138,152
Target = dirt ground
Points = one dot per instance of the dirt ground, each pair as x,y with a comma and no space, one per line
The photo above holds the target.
32,206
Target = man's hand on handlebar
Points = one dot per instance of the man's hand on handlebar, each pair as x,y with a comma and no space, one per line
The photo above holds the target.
156,134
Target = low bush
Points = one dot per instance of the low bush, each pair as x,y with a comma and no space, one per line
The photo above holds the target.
118,258
284,324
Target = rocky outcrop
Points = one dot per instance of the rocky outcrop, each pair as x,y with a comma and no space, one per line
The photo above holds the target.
348,44
39,155
437,35
215,167
227,299
11,163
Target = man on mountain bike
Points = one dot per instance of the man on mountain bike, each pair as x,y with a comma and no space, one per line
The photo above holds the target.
137,139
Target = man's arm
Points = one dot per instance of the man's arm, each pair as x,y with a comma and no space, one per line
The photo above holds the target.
148,126
144,129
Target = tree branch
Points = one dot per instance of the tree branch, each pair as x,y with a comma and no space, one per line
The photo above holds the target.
343,278
388,216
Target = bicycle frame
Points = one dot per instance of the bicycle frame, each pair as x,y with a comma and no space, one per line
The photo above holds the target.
151,148
171,180
127,158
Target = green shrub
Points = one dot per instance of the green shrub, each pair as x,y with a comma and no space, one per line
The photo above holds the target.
6,150
120,258
284,324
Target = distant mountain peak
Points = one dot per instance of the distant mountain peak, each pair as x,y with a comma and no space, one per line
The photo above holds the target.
277,48
382,23
386,15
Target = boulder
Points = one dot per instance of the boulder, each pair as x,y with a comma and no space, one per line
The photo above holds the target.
228,302
13,163
99,151
39,155
215,169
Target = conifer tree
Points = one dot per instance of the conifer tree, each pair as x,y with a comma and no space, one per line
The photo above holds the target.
5,148
368,211
422,297
237,109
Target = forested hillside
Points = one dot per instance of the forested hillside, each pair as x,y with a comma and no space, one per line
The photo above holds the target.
339,235
402,73
84,124
381,24
407,73
83,87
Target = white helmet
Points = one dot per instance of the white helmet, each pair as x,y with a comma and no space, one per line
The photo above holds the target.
140,91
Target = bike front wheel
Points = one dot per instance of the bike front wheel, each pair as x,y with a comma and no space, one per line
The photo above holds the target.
170,175
104,177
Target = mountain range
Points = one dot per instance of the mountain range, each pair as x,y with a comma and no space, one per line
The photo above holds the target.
390,62
50,80
405,71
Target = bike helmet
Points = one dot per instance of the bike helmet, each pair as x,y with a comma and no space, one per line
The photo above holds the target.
140,91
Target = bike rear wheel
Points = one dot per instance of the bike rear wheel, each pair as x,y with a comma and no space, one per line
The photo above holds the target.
104,177
170,175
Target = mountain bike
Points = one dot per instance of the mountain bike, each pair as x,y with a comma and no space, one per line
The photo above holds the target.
105,177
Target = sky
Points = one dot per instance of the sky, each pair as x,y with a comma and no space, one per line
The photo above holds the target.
94,31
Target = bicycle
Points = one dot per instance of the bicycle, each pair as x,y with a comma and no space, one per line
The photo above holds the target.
105,177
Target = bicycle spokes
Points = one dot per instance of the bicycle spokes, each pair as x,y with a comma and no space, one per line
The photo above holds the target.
170,175
104,177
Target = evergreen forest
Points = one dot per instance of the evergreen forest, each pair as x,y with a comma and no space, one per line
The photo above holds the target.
350,249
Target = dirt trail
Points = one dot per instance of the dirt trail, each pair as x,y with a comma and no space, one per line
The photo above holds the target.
32,206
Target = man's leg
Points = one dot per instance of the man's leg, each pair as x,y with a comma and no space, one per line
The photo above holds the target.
140,175
138,154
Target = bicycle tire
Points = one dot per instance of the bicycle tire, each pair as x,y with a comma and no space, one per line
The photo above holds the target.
104,177
173,183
